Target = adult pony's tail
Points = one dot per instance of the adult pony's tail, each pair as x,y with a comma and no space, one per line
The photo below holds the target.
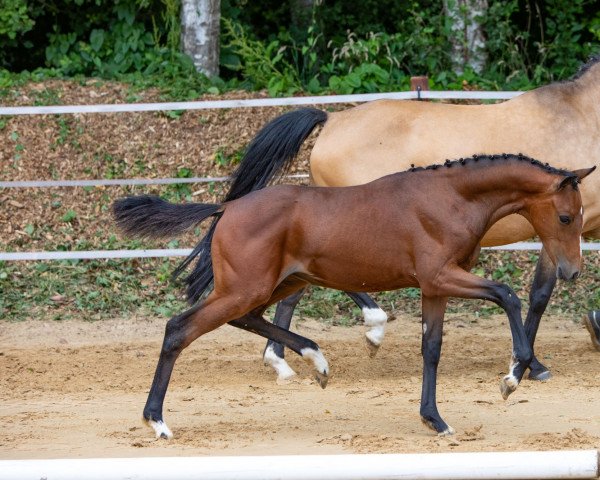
273,150
270,153
149,216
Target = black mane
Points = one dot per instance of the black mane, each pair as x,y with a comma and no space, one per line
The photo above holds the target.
493,158
593,60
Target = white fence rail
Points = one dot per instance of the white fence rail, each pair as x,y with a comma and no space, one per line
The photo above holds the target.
201,105
256,102
426,466
184,252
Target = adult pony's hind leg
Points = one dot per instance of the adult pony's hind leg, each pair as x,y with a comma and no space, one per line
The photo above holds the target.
592,323
539,296
306,348
375,318
433,310
274,351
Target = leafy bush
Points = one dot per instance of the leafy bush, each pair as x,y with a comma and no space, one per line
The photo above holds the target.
342,47
13,18
262,64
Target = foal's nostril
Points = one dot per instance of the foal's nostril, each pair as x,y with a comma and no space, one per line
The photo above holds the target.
575,276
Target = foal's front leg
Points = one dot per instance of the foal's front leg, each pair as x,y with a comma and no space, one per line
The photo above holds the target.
433,309
539,296
455,282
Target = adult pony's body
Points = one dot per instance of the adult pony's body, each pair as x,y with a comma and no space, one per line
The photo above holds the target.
558,123
420,228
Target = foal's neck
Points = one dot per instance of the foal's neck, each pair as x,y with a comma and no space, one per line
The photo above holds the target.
504,185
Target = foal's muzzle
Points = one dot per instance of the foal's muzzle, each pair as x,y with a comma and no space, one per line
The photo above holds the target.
568,274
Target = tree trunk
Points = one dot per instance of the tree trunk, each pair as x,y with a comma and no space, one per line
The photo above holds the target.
468,41
200,25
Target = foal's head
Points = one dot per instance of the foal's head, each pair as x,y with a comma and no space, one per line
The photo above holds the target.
557,217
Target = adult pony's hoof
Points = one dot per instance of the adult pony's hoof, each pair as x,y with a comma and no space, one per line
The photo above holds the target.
441,428
592,323
508,385
160,429
376,319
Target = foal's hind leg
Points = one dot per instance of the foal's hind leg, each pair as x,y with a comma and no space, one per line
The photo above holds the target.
274,351
304,347
180,331
375,318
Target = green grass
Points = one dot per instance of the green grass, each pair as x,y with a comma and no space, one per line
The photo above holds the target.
87,289
98,289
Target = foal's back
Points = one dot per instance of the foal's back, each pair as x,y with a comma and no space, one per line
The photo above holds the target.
371,232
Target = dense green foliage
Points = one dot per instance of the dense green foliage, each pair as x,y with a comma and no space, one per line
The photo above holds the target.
378,45
106,288
339,46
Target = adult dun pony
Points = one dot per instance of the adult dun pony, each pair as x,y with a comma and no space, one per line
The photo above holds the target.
558,123
420,228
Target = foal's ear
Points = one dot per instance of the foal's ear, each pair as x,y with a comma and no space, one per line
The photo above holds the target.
584,172
576,177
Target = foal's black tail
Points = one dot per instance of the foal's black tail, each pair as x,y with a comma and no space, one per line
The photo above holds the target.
273,150
149,216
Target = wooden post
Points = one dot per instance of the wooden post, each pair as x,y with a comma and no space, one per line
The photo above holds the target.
419,84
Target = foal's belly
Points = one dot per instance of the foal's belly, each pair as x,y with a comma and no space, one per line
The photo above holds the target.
366,270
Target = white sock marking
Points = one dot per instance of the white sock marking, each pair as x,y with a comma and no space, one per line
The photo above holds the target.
375,318
317,358
161,429
448,431
284,371
510,379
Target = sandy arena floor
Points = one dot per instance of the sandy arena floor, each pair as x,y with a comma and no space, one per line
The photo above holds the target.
77,389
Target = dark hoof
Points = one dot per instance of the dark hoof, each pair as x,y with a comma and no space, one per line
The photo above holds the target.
442,430
592,323
539,375
321,379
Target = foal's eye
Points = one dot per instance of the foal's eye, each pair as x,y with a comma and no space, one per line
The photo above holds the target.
564,219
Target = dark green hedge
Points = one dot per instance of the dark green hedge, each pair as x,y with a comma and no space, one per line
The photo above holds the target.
339,46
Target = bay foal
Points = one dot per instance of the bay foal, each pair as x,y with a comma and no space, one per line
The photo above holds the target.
421,228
